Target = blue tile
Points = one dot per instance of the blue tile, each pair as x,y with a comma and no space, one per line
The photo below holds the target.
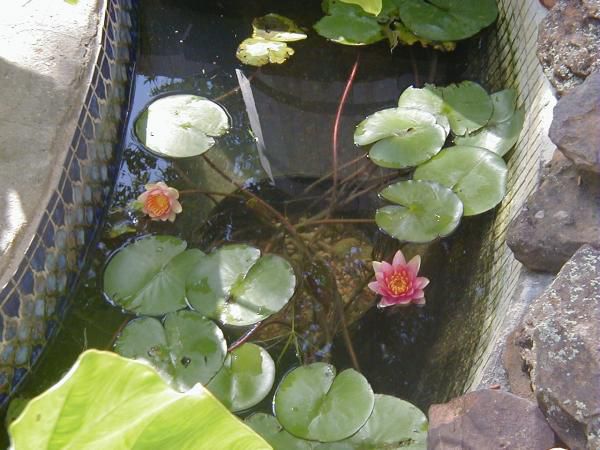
67,192
1,325
109,50
81,152
26,283
39,258
112,13
93,107
48,236
101,89
18,376
53,201
7,290
88,129
58,216
105,69
11,306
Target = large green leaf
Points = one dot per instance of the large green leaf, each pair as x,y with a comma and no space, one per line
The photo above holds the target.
313,403
148,276
238,287
423,212
476,175
502,131
181,125
188,349
245,379
447,20
271,430
348,24
428,98
109,402
370,6
277,28
467,106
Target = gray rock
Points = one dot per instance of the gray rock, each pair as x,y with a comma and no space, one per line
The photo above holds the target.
575,129
488,419
569,42
560,345
557,219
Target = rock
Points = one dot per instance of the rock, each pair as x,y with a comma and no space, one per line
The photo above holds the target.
557,219
575,129
560,346
569,42
488,419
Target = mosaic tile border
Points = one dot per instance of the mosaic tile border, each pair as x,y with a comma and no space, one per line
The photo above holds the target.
34,300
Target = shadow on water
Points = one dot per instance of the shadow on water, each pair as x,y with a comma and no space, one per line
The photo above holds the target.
189,46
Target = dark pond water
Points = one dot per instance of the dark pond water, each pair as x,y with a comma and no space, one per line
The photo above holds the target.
189,46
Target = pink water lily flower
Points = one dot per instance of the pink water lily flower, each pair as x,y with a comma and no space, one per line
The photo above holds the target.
398,283
160,202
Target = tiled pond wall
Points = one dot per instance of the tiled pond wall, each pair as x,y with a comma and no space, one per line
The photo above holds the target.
34,300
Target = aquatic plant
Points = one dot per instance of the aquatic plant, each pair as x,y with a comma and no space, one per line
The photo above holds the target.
398,283
107,401
159,202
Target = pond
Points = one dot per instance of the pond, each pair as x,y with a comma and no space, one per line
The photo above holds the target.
279,148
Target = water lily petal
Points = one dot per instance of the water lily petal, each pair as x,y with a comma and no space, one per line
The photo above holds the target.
376,266
419,301
386,268
421,282
399,259
375,287
414,264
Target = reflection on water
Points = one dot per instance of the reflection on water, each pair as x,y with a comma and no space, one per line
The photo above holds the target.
189,46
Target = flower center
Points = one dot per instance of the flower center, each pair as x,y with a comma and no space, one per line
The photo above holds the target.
399,283
158,204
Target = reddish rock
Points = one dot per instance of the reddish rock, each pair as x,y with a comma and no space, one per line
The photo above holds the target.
488,420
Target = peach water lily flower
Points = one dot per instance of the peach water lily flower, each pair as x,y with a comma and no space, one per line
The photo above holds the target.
398,283
159,202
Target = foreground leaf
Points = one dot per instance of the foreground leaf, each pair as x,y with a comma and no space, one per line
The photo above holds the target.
504,127
370,6
277,28
257,51
476,175
188,349
313,403
245,379
423,212
148,276
109,402
179,126
348,24
467,106
428,98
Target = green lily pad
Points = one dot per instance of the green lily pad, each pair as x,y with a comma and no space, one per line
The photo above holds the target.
428,98
180,126
313,403
187,349
502,131
424,211
109,402
237,286
447,20
277,28
257,51
348,24
467,106
476,175
245,379
371,6
148,276
398,33
271,430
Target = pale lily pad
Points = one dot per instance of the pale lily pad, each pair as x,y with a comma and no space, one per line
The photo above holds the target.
423,212
428,98
180,126
348,24
277,28
502,131
271,430
447,20
109,402
371,6
188,349
467,106
476,175
148,276
257,51
237,286
245,379
313,403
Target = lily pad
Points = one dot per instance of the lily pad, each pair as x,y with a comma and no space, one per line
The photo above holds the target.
271,430
428,98
424,211
148,276
277,28
503,129
476,175
398,33
180,126
447,20
237,286
109,402
187,349
371,6
245,379
257,51
348,24
467,106
313,403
